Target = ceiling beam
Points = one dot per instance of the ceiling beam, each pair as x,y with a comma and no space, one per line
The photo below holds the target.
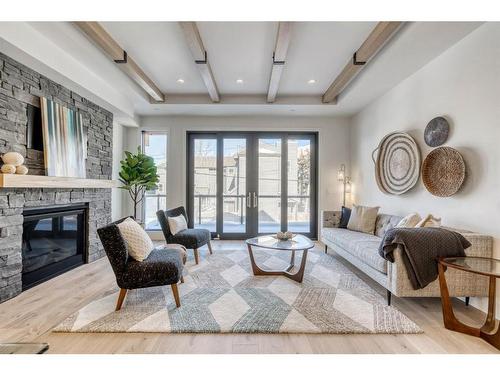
199,53
370,47
279,58
103,40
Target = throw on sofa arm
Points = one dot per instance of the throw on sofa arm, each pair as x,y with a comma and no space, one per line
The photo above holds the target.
330,219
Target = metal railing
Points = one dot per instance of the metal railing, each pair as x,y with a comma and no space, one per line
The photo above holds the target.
241,203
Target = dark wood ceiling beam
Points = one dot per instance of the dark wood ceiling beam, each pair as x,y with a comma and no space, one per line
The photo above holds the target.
100,37
279,59
379,36
199,53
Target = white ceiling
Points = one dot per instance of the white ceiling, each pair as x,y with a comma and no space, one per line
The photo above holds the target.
319,51
243,50
240,50
160,50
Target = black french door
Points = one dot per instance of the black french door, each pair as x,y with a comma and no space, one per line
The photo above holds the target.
243,184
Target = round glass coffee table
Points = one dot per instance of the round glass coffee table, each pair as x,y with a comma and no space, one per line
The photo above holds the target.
297,243
489,267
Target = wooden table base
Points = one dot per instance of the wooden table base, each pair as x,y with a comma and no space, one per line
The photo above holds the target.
489,332
257,271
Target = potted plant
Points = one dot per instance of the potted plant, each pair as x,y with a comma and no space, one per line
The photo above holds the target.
138,174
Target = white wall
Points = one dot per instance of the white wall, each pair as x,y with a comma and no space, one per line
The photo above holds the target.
333,147
462,84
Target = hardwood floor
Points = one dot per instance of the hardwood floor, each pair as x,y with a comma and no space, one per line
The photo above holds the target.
31,316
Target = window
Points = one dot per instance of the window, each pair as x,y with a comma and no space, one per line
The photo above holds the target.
154,144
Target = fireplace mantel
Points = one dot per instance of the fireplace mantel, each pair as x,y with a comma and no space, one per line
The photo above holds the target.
35,181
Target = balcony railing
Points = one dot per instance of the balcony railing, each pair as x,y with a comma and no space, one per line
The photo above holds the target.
241,199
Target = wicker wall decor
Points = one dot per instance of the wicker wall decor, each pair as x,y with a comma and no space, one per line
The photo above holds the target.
443,171
397,166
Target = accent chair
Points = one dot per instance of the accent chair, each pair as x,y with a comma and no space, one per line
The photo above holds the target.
190,238
163,266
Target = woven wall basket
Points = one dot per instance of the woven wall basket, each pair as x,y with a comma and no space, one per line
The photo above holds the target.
397,166
443,171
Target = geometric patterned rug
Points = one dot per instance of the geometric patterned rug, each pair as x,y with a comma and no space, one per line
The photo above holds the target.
222,295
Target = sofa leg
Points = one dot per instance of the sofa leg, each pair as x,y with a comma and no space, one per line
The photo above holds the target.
209,244
175,292
196,258
467,300
389,295
121,298
326,249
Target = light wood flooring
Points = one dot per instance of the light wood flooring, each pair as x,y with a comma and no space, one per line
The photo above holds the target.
31,316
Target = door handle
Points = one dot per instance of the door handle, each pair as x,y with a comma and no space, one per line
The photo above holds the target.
248,201
254,199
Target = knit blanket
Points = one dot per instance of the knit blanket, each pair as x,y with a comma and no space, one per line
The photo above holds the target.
421,247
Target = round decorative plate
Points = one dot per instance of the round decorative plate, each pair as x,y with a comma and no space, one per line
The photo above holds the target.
436,132
443,171
397,167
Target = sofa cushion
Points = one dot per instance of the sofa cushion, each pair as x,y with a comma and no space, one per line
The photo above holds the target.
384,223
409,221
344,217
364,246
363,219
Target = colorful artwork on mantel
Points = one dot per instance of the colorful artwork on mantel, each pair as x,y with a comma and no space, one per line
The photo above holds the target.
64,140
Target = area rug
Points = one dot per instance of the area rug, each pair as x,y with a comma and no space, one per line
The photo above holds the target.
222,295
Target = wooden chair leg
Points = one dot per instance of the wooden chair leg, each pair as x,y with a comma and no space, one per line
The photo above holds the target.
121,298
175,292
196,258
209,244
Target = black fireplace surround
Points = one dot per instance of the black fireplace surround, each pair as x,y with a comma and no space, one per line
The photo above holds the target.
54,241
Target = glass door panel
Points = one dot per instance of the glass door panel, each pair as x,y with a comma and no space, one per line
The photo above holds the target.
154,144
299,185
234,185
268,201
244,184
205,184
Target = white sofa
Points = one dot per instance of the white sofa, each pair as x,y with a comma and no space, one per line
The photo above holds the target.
361,250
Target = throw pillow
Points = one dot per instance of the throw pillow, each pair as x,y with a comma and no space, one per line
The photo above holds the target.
177,223
344,217
138,242
363,219
409,221
429,222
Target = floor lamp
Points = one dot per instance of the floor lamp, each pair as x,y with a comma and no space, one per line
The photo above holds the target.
346,182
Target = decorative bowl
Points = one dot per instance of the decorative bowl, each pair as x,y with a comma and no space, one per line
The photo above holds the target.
284,236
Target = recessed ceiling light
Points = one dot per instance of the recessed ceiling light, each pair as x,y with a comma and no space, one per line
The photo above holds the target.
180,80
239,81
311,81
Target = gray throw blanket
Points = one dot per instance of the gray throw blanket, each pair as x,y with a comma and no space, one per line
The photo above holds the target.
421,247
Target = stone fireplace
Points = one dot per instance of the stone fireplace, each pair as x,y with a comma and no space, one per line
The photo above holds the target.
20,88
